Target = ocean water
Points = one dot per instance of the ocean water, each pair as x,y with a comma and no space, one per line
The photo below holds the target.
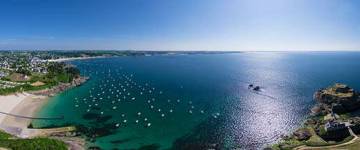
198,101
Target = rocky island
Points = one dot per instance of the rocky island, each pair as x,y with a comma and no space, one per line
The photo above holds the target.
333,122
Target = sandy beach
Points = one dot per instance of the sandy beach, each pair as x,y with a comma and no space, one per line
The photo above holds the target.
22,104
28,106
25,104
9,102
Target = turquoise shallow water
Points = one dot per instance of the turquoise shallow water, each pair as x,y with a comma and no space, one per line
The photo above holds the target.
204,100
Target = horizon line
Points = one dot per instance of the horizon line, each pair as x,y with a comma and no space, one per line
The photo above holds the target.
161,50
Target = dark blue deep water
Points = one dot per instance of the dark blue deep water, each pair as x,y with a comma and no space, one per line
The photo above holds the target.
204,99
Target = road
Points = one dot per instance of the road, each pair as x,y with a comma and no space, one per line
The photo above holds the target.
355,139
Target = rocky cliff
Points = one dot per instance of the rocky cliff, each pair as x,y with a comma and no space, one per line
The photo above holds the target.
339,98
61,87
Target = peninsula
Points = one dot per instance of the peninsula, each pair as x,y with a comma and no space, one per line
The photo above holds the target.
333,123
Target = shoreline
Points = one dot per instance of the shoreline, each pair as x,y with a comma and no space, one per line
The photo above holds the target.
18,109
27,106
330,123
73,58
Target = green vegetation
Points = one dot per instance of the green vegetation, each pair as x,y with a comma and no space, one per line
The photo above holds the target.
352,146
332,112
61,72
287,144
4,135
349,138
315,140
345,116
25,87
322,130
57,73
33,144
6,141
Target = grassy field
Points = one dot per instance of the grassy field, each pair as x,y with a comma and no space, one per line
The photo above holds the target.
287,144
353,146
315,140
7,141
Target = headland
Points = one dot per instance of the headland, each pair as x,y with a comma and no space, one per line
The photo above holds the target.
333,123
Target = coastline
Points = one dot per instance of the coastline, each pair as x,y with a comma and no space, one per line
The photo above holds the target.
330,125
26,106
28,103
19,109
73,58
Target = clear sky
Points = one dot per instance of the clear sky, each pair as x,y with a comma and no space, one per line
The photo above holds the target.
180,24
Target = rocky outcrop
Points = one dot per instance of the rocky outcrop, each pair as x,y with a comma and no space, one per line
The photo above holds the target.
339,97
302,134
61,87
78,81
325,121
320,109
355,124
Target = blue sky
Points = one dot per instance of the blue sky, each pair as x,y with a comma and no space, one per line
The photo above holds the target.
180,24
